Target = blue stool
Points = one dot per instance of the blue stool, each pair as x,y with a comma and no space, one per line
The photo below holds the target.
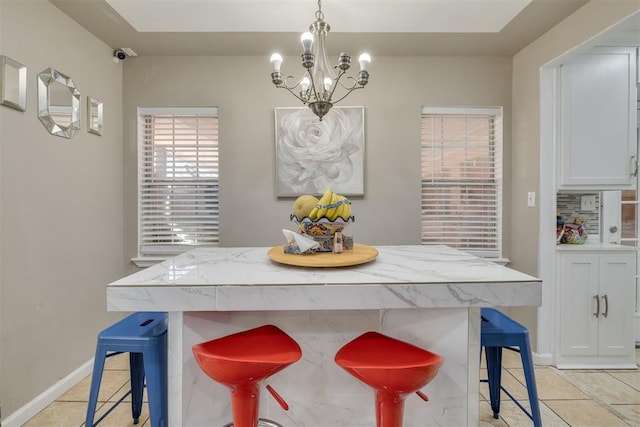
144,336
498,331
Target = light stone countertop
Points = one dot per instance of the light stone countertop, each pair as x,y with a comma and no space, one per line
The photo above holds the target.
244,278
595,246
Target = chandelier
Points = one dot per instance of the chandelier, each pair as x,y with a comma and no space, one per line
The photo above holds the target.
320,80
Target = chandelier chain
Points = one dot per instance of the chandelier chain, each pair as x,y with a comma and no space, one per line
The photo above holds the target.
319,14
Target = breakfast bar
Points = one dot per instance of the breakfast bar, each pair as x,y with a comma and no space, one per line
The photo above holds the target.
429,296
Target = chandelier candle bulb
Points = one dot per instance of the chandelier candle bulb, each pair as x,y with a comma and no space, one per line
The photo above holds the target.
276,60
276,76
364,60
304,83
327,83
307,42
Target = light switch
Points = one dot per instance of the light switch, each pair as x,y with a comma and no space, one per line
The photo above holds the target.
588,203
531,199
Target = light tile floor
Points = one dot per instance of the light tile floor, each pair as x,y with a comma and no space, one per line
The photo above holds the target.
577,398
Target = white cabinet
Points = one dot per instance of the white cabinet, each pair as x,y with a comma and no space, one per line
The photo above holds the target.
596,309
597,121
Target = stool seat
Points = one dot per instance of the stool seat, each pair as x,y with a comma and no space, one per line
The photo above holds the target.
386,363
144,336
498,331
393,368
242,360
247,356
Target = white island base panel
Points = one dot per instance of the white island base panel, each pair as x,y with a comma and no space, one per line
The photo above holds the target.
319,392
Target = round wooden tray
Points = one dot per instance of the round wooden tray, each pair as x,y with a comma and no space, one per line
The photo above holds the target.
359,255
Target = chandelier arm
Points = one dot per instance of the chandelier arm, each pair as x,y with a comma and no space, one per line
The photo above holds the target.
304,101
347,94
335,86
352,87
285,85
313,87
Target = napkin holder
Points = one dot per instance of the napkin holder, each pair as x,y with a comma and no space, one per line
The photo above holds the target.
299,244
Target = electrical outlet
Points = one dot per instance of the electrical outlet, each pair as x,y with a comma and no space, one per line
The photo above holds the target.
588,203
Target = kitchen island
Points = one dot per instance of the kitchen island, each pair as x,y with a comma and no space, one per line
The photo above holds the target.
429,296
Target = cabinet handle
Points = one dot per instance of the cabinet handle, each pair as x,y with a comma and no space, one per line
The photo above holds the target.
606,305
634,165
597,298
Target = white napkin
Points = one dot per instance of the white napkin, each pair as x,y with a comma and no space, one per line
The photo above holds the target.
298,243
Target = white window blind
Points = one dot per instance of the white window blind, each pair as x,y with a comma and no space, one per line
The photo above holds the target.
177,179
462,179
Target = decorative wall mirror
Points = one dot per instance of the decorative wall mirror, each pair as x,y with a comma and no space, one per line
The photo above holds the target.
13,83
58,103
94,115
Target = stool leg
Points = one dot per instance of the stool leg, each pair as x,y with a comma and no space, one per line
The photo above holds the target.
96,379
136,371
529,375
155,362
494,371
389,409
245,400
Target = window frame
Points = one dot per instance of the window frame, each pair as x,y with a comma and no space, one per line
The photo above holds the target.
162,251
497,139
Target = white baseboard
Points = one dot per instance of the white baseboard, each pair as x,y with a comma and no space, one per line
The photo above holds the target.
44,399
542,359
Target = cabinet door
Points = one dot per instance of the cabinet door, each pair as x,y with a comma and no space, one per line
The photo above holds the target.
578,287
598,120
617,304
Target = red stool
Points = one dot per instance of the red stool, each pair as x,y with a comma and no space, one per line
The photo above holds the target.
393,368
242,361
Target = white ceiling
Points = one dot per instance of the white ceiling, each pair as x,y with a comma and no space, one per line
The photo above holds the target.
363,16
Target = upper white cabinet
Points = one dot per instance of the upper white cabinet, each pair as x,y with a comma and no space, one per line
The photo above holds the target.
597,121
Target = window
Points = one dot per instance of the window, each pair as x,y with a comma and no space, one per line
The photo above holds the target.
177,180
462,179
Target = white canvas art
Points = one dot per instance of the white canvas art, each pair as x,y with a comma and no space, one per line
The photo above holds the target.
313,155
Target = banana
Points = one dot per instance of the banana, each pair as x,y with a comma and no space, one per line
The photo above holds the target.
313,215
344,207
346,213
324,201
331,212
339,209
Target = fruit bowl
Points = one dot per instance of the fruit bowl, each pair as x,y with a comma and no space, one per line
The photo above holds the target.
323,227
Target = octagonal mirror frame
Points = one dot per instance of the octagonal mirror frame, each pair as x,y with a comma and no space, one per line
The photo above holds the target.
60,114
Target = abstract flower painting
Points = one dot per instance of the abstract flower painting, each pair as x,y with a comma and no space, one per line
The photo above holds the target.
313,155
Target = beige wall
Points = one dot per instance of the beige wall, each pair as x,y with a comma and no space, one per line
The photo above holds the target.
251,214
595,17
60,207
